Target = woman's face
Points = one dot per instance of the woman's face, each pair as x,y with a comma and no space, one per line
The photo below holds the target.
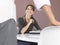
29,11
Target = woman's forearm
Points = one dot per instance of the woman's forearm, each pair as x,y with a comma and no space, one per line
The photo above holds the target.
24,29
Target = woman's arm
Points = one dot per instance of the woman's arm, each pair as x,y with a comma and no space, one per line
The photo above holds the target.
50,15
24,29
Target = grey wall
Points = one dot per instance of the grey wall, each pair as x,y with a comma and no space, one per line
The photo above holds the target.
39,15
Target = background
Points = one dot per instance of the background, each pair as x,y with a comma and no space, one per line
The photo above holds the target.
40,16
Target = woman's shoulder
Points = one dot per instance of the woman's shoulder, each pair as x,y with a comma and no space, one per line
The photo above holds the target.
20,19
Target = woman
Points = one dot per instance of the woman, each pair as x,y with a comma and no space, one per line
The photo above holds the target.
27,22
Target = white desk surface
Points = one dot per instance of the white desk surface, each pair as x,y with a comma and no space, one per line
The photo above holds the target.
28,37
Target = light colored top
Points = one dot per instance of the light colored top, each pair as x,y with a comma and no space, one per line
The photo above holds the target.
7,10
40,3
50,36
28,37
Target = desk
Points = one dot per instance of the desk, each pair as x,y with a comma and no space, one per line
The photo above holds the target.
29,37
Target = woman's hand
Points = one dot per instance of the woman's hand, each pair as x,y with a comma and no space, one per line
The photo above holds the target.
22,32
31,21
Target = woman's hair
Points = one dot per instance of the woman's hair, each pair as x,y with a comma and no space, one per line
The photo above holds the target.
33,7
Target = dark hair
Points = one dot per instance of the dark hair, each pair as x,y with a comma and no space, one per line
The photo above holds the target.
33,7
